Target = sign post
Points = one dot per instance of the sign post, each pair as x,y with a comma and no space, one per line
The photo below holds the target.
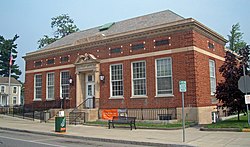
183,88
244,86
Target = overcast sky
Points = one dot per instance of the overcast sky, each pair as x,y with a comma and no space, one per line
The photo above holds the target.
30,19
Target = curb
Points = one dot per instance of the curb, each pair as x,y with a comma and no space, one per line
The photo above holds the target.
97,139
222,129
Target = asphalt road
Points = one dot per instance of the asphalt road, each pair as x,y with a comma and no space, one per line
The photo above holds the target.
20,139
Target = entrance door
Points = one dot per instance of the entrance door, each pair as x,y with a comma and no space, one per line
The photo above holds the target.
90,90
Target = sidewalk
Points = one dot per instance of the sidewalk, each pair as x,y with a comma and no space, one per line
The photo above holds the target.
194,137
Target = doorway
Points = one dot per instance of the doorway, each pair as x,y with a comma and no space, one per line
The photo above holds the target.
90,90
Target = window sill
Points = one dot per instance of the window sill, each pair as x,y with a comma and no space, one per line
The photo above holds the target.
116,98
37,99
139,97
165,96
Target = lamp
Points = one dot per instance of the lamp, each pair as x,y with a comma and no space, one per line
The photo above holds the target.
102,78
70,80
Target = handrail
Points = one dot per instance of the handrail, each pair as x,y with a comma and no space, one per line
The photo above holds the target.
84,102
74,112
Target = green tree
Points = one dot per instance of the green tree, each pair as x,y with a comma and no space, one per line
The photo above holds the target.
235,39
62,25
46,40
8,48
227,91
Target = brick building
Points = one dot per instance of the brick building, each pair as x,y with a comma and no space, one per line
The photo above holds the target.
133,65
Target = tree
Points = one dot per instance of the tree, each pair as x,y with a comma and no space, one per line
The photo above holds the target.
46,40
244,59
235,39
62,25
227,91
8,54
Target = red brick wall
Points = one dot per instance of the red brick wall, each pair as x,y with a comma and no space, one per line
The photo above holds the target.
190,66
180,71
29,87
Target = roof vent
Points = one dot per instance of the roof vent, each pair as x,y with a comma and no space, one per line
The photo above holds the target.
106,26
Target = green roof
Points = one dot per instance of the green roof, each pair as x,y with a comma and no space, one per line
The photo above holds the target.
106,26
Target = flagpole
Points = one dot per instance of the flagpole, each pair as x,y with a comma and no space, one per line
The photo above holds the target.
9,85
10,64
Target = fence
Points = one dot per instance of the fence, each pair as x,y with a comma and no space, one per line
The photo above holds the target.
149,113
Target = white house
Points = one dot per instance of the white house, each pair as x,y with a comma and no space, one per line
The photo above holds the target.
15,92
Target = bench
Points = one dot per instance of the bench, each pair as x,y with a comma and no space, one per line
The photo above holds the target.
122,120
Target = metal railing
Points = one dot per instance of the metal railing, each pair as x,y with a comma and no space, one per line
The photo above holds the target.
20,112
77,115
36,110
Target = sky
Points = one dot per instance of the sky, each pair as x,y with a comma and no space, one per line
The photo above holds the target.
30,19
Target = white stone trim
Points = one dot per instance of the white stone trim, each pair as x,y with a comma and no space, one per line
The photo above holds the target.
150,54
178,50
50,68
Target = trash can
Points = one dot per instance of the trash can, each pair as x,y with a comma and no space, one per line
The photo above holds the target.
60,124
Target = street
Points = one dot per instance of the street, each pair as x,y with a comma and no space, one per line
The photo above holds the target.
20,139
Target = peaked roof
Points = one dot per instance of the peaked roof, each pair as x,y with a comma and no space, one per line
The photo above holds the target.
132,24
5,80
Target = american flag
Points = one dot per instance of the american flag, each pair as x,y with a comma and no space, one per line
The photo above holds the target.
11,58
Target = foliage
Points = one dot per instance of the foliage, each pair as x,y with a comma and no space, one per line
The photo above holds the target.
227,91
46,40
62,25
244,59
8,49
235,39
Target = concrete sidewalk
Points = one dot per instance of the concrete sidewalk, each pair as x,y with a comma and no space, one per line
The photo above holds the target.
194,137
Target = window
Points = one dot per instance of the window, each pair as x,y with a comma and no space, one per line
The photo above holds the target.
164,77
38,63
38,87
210,45
50,61
139,78
162,42
14,90
116,75
2,89
137,46
64,59
50,85
64,90
14,100
106,26
115,50
212,76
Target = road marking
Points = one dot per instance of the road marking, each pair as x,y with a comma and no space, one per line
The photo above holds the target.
32,141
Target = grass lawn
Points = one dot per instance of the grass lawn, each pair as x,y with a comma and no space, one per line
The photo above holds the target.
231,123
146,124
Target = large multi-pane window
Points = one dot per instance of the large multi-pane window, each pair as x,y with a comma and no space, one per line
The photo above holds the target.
116,80
50,85
38,87
212,76
139,78
64,90
164,76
